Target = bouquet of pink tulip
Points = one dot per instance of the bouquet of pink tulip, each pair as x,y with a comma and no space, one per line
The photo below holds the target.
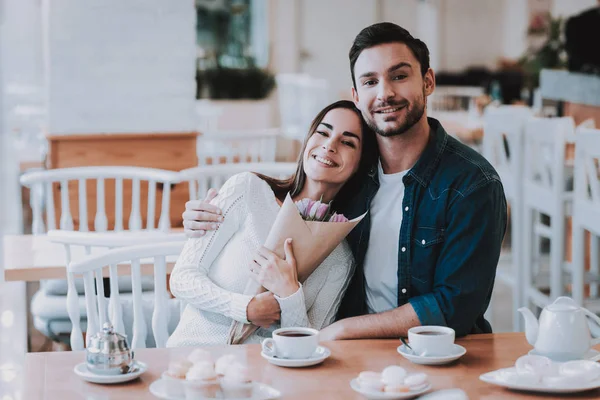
311,210
314,237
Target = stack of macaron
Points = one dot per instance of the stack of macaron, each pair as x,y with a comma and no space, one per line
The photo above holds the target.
393,379
199,377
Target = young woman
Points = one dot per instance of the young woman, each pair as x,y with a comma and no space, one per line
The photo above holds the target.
211,274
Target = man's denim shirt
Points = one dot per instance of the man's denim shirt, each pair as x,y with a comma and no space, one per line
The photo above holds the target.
449,245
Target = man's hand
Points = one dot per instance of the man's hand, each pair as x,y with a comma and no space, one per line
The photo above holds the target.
334,331
201,216
263,310
275,274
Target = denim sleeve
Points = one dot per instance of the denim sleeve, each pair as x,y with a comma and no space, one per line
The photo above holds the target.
466,268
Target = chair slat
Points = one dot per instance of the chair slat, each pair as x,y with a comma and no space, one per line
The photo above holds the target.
90,304
160,316
151,205
37,226
114,304
100,221
50,216
139,324
66,220
135,218
100,298
83,219
76,337
118,204
164,223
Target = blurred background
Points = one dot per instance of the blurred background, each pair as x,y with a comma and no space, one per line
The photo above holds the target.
176,84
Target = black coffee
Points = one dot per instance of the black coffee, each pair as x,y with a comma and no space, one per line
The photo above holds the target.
430,333
294,334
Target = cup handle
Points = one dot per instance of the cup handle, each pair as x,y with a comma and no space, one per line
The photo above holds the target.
268,347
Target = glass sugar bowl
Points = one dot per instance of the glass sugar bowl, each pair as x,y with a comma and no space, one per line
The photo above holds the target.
108,353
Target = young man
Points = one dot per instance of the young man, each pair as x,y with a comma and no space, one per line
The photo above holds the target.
427,251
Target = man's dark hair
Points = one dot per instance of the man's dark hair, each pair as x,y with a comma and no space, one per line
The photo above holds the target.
386,32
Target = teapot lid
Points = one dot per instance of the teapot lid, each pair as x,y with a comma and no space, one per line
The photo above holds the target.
563,304
108,341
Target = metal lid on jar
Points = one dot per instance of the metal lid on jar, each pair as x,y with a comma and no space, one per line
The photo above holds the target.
108,342
108,352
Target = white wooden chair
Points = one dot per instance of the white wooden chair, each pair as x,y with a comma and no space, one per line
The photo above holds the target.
98,312
586,211
301,97
257,145
40,183
48,308
203,178
545,192
503,147
78,245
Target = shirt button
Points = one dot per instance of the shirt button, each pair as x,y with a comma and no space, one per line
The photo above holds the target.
423,241
406,208
403,249
404,290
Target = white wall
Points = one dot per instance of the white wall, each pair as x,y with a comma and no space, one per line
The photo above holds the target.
120,66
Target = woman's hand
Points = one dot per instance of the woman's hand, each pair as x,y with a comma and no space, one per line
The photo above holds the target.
277,275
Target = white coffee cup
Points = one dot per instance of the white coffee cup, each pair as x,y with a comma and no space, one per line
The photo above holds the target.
431,341
293,343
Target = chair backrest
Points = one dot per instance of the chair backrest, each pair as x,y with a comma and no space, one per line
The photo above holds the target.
257,145
544,155
41,184
301,97
453,98
503,129
74,241
587,176
201,179
97,311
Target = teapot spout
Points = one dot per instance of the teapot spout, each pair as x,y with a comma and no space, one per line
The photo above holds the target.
531,325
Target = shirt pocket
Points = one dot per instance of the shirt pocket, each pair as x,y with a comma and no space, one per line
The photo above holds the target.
428,242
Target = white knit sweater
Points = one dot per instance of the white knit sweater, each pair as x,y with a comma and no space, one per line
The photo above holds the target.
212,271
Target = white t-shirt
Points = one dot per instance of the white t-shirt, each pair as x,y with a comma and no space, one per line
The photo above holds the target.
381,260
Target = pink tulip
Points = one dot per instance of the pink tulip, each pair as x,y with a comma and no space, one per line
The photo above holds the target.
322,211
338,218
303,207
313,209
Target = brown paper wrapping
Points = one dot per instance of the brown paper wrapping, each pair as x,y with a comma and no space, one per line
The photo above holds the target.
312,242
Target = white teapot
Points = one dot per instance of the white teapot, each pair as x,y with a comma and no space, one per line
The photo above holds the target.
562,333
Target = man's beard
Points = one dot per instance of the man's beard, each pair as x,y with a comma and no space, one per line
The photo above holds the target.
414,113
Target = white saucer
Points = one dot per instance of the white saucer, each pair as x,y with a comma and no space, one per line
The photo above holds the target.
372,395
457,352
82,371
500,378
320,354
592,355
261,391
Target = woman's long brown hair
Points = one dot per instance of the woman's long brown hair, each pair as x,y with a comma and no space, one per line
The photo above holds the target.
295,184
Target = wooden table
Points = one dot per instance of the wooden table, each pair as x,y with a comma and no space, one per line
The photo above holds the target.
51,376
32,258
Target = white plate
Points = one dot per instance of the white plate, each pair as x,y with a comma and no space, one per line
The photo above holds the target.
498,377
260,392
592,355
82,371
318,357
372,395
457,352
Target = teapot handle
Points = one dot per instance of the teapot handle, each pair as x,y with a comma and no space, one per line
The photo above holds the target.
596,319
